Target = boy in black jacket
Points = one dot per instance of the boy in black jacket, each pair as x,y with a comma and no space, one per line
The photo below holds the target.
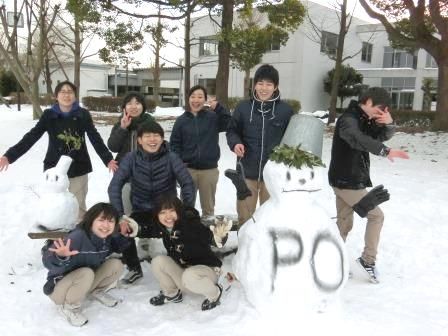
256,127
359,131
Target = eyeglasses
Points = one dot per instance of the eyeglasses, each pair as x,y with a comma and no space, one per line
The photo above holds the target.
66,92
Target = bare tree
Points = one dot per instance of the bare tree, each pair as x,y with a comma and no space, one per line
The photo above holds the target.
335,53
27,66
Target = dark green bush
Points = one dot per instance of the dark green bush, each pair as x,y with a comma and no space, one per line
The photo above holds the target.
295,104
111,104
407,118
106,104
233,102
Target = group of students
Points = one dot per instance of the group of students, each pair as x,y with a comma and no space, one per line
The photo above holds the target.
147,169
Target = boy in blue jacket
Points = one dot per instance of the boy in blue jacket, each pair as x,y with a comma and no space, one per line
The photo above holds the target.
152,170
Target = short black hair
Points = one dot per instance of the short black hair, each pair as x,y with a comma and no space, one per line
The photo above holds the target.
103,209
150,127
378,95
61,84
266,72
197,87
167,201
138,96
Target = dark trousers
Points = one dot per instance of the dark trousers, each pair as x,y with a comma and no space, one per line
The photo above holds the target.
148,229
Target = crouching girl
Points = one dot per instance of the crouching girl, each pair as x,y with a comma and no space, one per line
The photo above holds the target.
78,264
190,264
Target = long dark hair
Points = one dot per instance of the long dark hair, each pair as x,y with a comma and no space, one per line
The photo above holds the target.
167,201
100,209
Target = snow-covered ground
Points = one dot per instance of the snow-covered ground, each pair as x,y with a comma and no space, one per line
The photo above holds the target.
411,300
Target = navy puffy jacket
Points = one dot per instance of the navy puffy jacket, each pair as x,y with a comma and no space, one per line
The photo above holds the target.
150,175
92,253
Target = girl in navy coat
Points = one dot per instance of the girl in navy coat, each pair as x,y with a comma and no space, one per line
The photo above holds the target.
78,265
67,125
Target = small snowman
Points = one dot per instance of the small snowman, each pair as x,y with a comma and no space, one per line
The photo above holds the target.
290,252
57,208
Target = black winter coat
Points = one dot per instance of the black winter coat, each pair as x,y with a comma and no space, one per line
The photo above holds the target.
150,175
196,138
77,122
123,141
354,137
259,127
189,242
92,253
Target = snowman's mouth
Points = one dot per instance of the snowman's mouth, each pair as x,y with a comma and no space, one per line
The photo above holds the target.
294,190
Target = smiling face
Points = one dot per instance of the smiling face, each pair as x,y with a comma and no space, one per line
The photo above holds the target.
150,142
103,227
66,97
133,108
196,100
167,217
264,89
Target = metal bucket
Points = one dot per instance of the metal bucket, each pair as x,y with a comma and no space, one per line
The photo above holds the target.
306,131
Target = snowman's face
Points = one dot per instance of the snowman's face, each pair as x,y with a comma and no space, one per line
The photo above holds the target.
280,178
55,180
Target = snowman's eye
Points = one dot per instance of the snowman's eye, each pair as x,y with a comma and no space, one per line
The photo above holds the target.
57,178
288,176
46,177
312,174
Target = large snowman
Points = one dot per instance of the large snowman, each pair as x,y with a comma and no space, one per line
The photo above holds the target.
57,208
290,252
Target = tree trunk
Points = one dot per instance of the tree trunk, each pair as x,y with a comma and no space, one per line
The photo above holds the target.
187,56
338,63
35,99
441,120
247,83
77,57
222,75
47,75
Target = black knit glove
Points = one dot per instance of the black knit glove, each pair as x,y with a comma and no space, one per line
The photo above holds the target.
373,198
237,178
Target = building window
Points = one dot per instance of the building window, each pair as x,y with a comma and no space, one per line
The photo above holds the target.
328,43
394,58
208,46
366,54
274,43
402,91
430,62
209,84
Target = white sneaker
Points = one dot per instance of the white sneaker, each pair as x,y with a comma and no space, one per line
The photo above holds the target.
105,298
73,314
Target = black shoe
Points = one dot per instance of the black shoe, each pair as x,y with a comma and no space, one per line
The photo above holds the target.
162,299
131,277
207,304
369,269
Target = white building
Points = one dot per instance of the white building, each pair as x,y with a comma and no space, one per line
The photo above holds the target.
303,65
93,78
